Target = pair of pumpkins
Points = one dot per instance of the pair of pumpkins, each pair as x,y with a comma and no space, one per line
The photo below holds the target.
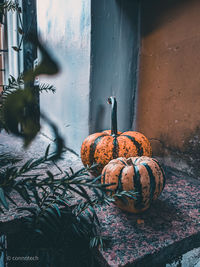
125,160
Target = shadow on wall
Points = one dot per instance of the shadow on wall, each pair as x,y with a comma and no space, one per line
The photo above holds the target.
114,61
100,116
169,81
159,9
188,155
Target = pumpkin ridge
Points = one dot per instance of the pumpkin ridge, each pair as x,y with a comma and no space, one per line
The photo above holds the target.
152,181
138,188
163,174
158,170
120,186
103,177
136,143
93,146
122,162
136,160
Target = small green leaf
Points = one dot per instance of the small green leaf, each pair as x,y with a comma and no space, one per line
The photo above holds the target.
19,9
22,191
3,199
10,199
20,31
57,209
51,176
47,151
32,210
26,166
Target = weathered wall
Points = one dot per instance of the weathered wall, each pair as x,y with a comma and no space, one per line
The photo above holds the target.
114,61
169,88
64,26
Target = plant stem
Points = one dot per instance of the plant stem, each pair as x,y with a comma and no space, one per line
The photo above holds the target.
112,100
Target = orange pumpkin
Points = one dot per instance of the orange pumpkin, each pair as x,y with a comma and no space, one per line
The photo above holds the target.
143,175
100,148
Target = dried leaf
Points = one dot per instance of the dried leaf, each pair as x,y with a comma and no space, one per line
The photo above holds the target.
20,31
17,49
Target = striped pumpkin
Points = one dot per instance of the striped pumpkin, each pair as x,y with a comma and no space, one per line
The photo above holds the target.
143,175
100,148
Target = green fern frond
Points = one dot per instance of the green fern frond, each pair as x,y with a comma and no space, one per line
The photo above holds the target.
44,87
8,159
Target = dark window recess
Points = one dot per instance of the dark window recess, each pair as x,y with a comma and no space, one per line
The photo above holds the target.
1,12
30,26
3,51
30,50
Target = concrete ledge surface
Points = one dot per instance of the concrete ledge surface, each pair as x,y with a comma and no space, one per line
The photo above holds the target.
169,228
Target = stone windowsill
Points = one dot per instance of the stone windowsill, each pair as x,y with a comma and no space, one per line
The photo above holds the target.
169,228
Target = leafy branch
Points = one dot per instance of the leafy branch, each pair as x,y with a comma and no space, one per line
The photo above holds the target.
8,159
18,83
14,7
64,204
9,6
57,198
51,195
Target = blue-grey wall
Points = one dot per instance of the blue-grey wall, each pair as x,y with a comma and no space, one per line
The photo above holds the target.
97,45
64,27
115,41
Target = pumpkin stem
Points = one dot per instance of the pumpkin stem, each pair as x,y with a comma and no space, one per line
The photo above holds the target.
112,100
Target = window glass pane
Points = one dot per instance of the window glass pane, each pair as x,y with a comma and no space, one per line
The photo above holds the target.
64,27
